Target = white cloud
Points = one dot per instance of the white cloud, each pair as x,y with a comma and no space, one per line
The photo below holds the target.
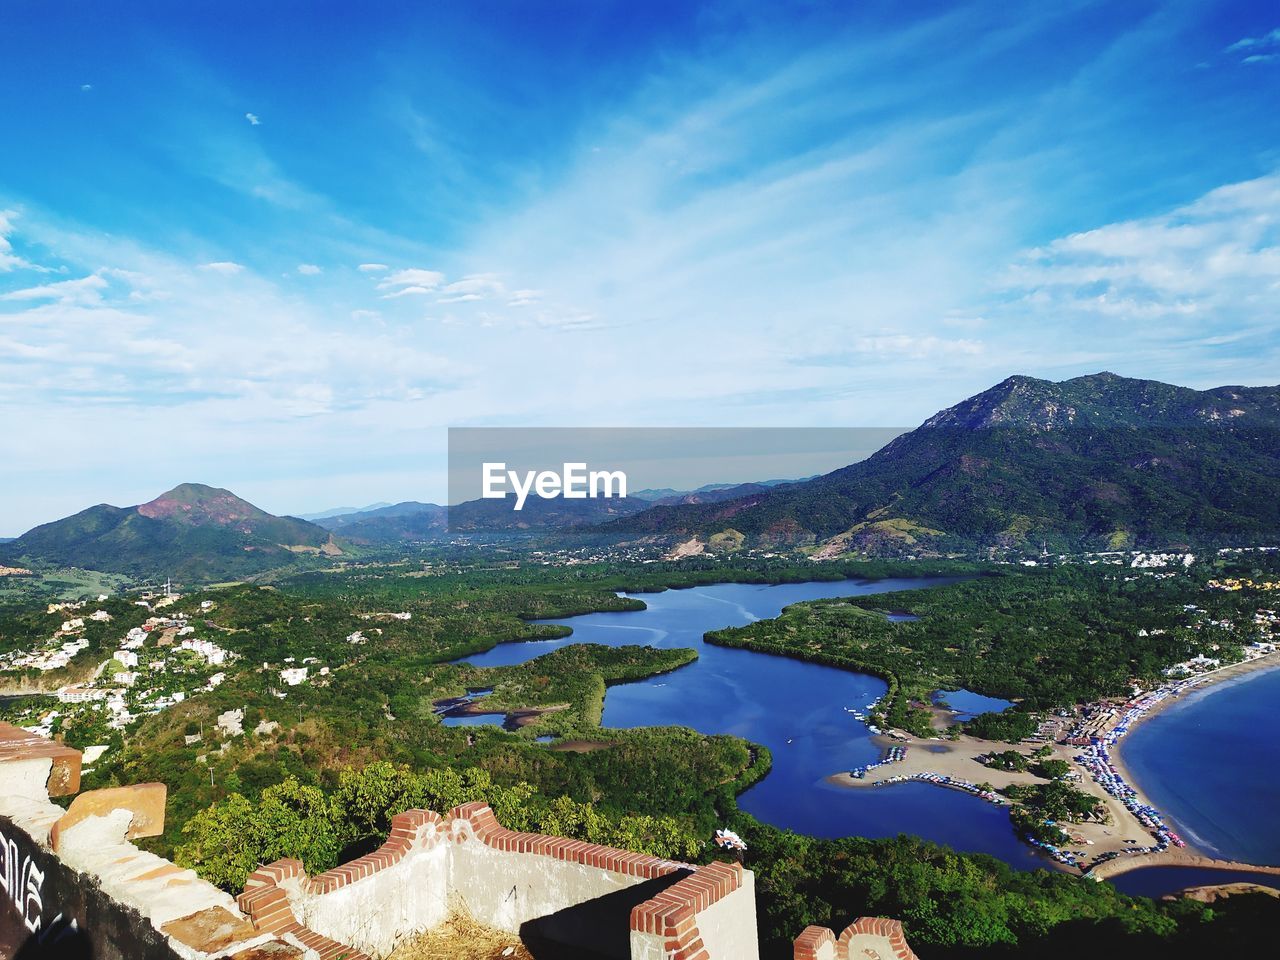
524,298
412,282
1249,43
479,284
1220,252
254,120
8,259
309,269
227,268
86,290
86,87
372,267
413,290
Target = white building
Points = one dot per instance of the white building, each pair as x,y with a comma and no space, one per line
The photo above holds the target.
294,675
79,694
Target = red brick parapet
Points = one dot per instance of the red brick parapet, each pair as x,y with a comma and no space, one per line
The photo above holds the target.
815,943
476,820
819,943
673,913
470,821
267,905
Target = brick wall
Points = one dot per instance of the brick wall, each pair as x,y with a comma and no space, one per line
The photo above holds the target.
552,890
73,884
867,938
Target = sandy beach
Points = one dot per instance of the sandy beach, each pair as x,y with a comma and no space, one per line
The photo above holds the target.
1213,678
958,759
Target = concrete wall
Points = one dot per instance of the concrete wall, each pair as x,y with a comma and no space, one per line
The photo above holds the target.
377,913
556,894
72,885
728,926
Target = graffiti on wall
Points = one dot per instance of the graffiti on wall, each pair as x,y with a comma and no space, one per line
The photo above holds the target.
22,882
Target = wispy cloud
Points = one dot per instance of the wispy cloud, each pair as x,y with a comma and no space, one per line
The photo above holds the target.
254,120
226,268
8,259
410,282
1220,251
309,269
85,290
1251,43
373,267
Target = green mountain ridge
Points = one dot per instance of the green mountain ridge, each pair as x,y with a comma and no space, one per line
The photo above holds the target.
1096,462
193,532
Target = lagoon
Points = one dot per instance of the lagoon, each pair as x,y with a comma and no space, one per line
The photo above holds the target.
799,710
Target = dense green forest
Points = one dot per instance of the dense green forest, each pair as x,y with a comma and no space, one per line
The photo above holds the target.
1044,637
353,746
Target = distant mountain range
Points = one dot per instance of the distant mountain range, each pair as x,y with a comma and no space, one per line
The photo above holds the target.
414,521
342,511
192,532
1100,462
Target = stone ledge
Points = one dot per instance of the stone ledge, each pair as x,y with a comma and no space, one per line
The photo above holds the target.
145,801
64,774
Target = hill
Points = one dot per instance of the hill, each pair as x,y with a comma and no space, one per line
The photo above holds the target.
414,521
342,511
192,532
1097,462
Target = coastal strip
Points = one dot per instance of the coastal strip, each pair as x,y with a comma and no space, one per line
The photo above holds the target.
1104,850
1201,681
1174,858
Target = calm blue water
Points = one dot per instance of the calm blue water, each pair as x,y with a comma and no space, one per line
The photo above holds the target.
1158,881
474,720
796,709
1210,763
968,704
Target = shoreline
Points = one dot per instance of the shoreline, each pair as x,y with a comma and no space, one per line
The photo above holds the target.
1110,847
1211,679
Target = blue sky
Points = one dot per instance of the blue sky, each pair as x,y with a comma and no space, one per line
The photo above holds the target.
280,247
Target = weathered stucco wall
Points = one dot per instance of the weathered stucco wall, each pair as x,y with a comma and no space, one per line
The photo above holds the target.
553,892
385,908
73,886
728,926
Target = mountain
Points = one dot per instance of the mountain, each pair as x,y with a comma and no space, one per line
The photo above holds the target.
341,511
192,532
415,521
709,493
1097,462
392,523
405,508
